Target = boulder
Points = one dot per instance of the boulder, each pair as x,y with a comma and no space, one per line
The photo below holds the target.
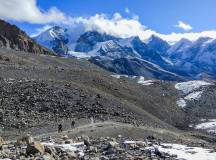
113,144
72,155
34,148
65,137
51,151
86,142
2,142
47,156
25,139
104,158
69,141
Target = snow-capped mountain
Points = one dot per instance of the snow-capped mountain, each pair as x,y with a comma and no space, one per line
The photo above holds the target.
87,41
191,60
129,56
158,44
179,47
58,39
197,58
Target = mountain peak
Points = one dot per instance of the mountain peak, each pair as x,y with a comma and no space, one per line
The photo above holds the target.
179,46
184,40
202,39
89,39
154,37
158,44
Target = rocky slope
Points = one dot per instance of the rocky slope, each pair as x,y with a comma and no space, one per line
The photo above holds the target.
37,90
11,37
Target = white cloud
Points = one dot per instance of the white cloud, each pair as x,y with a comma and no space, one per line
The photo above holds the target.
28,11
192,36
41,30
184,26
124,27
127,10
117,25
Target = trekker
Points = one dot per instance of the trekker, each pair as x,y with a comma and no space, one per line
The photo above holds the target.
60,128
73,124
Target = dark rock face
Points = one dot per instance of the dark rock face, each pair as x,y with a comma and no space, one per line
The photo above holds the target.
11,37
135,66
87,41
147,53
119,57
60,41
158,45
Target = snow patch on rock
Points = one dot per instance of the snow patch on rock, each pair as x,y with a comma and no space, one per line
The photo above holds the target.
141,80
190,86
190,90
118,76
209,126
187,153
75,147
194,95
144,82
79,55
181,103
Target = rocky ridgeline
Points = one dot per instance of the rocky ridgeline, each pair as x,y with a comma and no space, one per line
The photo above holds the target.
83,148
11,37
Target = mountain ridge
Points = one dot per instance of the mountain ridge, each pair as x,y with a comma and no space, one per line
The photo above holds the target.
11,37
171,58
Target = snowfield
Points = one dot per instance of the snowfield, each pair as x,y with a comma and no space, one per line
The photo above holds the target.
79,55
118,76
181,103
190,86
194,95
209,126
75,147
141,80
187,153
182,152
190,90
144,82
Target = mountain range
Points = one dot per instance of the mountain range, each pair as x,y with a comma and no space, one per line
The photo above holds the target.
154,58
40,89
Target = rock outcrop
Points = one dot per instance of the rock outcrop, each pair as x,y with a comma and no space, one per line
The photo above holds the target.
11,37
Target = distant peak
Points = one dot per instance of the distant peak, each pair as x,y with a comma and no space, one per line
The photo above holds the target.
154,37
57,27
136,38
203,39
183,40
88,33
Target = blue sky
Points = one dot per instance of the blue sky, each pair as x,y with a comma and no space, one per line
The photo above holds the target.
161,16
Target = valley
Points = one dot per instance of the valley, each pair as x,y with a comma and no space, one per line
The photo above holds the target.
122,89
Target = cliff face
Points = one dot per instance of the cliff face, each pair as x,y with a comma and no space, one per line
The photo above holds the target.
11,37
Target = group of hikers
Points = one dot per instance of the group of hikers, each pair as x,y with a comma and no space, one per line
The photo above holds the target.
60,127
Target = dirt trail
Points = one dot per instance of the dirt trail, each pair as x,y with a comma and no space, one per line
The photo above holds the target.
114,129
